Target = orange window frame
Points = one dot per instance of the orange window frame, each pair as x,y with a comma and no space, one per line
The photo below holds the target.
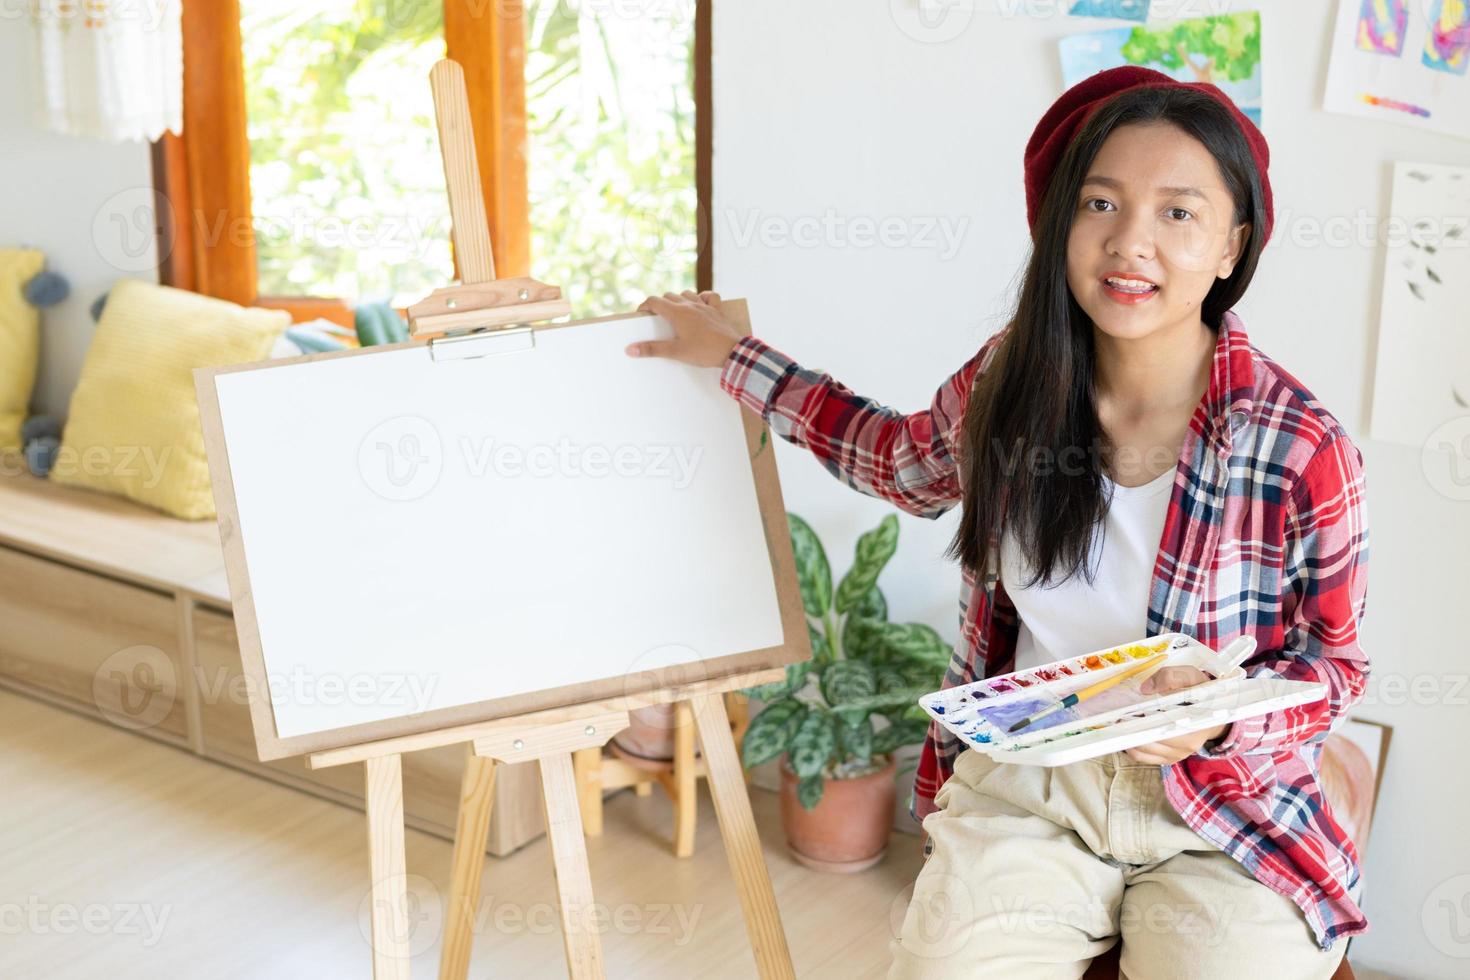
206,240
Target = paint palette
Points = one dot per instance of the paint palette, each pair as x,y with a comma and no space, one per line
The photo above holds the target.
981,713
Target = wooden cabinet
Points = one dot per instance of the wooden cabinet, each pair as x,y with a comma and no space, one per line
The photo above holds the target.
93,644
123,614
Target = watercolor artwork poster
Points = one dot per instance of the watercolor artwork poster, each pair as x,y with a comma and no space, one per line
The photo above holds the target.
1116,9
1422,374
1402,61
1351,770
1224,51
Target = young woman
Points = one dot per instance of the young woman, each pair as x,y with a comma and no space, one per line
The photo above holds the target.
1128,464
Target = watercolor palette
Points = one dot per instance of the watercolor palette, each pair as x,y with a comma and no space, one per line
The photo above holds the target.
1120,717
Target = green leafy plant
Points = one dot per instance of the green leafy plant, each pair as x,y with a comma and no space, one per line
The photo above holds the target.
854,700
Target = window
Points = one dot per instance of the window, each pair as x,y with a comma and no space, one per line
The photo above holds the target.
345,175
610,115
308,176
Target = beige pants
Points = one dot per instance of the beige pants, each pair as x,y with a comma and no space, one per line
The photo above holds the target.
1035,871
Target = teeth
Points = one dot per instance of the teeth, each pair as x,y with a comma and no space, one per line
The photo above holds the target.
1132,285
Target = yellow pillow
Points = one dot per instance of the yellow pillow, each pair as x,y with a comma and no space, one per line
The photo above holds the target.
133,428
20,324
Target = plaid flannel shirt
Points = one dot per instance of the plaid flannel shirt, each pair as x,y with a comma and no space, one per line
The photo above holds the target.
1266,535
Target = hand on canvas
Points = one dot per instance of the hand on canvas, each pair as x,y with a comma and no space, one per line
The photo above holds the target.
703,336
1171,750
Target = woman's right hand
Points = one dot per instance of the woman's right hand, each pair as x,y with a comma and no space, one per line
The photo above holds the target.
703,336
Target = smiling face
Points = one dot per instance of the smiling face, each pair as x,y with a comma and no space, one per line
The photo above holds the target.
1154,226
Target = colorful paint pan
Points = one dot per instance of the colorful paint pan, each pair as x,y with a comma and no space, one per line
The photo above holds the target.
971,711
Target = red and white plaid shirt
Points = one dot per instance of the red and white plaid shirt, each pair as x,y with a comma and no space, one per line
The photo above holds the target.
1266,535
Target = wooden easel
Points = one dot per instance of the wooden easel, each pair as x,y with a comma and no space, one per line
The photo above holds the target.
549,737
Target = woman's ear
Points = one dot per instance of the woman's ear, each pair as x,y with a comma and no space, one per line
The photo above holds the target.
1239,235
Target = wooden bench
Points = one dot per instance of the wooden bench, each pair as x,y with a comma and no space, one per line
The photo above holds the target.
123,614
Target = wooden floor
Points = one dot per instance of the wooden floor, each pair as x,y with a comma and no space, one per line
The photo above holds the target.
123,858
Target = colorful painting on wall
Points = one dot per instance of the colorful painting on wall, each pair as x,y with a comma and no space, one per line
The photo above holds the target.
1116,9
1422,375
1402,61
1381,25
1447,46
1224,51
1352,774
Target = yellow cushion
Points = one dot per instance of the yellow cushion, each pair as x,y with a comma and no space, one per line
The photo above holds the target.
133,428
20,324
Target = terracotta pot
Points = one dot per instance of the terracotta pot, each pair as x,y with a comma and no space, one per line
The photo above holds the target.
848,830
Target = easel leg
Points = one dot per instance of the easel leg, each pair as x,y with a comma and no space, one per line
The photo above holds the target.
742,844
476,796
737,706
569,860
387,866
686,799
587,764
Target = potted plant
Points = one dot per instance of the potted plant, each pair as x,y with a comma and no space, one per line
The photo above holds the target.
837,718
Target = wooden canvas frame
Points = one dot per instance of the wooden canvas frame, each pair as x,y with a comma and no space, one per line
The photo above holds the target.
796,646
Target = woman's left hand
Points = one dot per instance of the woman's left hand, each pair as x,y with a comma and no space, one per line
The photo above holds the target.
1171,750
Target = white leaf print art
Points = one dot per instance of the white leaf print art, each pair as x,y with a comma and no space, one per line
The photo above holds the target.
1422,376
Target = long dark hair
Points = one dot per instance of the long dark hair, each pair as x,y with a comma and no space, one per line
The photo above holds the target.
1031,440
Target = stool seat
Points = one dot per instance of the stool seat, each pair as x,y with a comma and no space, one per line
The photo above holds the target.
622,767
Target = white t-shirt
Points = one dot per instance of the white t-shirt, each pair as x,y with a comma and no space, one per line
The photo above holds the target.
1063,620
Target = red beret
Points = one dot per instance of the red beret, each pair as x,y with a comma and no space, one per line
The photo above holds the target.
1067,114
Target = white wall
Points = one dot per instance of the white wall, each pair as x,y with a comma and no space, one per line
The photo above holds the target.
827,105
83,202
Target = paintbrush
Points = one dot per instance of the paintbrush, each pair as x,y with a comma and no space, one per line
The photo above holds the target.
1077,697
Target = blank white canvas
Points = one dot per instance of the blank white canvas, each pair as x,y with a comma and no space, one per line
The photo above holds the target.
1422,377
421,535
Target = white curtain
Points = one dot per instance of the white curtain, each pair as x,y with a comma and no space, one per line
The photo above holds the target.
112,69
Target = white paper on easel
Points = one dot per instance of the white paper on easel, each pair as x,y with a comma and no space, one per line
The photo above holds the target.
422,535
